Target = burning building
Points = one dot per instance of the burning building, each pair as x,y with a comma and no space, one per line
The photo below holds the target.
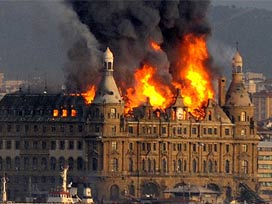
132,145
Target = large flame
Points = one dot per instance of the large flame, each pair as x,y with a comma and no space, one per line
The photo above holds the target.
192,77
146,88
89,95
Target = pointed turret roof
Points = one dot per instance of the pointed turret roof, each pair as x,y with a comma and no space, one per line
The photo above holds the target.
107,91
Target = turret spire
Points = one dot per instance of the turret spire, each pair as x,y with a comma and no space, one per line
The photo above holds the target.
107,91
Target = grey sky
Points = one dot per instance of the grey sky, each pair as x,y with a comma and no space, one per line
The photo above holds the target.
31,43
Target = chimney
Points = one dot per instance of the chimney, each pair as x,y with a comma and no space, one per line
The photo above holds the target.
222,91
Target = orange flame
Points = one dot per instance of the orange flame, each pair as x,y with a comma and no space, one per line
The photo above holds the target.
146,87
155,46
196,83
89,95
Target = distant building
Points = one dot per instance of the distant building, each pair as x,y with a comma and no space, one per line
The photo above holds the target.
263,105
265,170
252,81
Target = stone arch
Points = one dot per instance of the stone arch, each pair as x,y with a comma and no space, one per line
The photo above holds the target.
150,189
114,192
213,187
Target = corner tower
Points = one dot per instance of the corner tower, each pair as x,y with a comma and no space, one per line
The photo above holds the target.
240,110
107,108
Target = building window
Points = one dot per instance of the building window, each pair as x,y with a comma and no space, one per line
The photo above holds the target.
17,163
194,166
79,145
18,128
35,145
26,163
71,128
215,131
8,144
17,145
71,145
179,165
243,132
243,116
80,164
210,131
62,144
215,147
9,128
94,164
8,163
194,131
204,131
61,163
130,129
179,130
114,164
80,128
44,145
163,130
53,128
154,147
53,145
227,147
26,145
194,147
227,131
130,165
71,163
164,165
148,147
245,166
97,129
113,145
164,147
44,164
36,128
154,130
113,113
244,148
227,166
53,163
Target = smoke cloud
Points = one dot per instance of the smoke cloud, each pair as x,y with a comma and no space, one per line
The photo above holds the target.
127,27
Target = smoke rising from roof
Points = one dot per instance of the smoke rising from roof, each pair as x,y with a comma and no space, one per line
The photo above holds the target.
127,27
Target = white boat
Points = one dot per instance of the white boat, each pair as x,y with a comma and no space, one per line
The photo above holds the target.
69,196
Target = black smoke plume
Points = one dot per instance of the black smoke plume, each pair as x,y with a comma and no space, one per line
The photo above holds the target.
127,26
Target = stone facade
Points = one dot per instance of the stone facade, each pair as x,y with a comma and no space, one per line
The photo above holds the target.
126,156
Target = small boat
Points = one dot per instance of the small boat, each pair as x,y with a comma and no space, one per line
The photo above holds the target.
63,195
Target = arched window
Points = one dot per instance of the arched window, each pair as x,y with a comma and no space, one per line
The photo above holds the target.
149,165
80,164
17,163
245,166
210,166
61,163
95,164
185,165
164,165
194,166
227,166
8,163
26,163
34,163
71,163
243,116
215,166
174,165
154,165
114,192
130,165
209,115
53,163
44,163
143,165
131,190
179,165
204,166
